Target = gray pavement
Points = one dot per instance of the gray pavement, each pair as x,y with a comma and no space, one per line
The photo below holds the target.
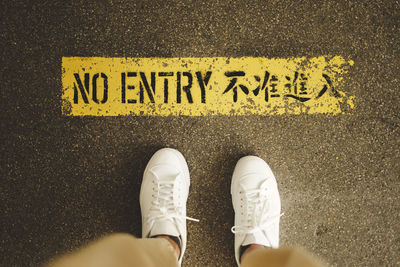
68,180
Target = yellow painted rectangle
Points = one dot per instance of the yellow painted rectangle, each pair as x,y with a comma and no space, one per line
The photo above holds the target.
99,86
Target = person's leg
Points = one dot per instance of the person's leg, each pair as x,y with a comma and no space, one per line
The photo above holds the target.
257,206
281,257
121,250
163,196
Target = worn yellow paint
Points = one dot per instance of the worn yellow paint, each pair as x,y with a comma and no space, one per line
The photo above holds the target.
216,102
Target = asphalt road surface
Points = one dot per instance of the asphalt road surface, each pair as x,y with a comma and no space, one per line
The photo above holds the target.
68,180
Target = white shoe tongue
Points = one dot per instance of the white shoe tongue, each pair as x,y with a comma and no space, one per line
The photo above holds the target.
165,227
256,238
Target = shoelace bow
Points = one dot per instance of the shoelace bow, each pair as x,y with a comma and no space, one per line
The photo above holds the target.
163,207
256,213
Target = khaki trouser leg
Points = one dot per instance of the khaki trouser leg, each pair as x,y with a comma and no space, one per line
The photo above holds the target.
282,257
121,250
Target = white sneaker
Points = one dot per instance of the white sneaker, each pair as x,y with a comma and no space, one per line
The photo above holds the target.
163,196
257,204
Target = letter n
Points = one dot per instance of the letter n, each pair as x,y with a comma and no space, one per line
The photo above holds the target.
83,88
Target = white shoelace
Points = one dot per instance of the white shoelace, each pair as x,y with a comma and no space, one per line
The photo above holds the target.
256,209
163,207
